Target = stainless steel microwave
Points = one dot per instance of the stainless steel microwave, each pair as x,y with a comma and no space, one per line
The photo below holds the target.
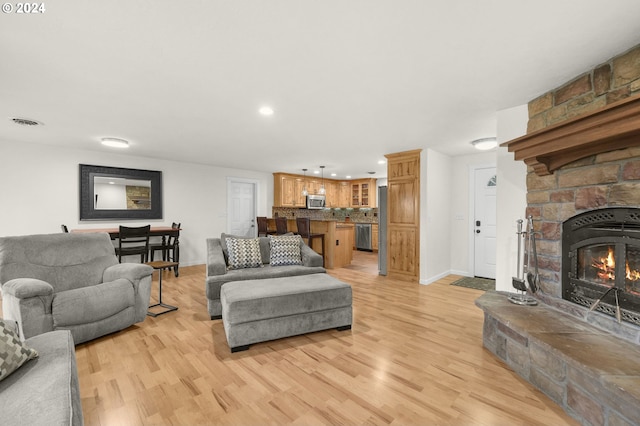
315,201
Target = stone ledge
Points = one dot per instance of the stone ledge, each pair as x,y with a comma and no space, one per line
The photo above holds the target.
593,375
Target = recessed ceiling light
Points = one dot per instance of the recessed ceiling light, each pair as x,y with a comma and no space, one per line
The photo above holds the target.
334,174
266,110
316,172
26,122
485,144
348,177
381,162
115,143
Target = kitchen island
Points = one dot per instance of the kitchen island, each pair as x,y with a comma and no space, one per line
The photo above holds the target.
338,240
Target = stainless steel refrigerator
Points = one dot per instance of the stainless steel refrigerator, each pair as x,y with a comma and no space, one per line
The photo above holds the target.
382,230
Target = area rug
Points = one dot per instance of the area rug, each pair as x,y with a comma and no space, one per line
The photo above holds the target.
475,282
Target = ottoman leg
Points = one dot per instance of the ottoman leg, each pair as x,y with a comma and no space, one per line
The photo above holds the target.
344,327
239,348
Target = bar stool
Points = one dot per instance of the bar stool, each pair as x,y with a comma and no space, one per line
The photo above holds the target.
281,225
304,229
161,265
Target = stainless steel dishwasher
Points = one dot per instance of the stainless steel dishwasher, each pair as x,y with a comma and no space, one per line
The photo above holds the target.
363,236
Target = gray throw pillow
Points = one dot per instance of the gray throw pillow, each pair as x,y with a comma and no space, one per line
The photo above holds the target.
13,353
285,250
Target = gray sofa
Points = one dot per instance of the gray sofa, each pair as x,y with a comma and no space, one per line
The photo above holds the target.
44,391
71,282
218,274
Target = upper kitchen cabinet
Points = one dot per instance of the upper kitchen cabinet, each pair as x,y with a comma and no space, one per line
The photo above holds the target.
287,190
363,193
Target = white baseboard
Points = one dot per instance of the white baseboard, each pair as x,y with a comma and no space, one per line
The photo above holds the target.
444,274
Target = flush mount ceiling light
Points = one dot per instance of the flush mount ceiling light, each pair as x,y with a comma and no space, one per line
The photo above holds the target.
266,110
485,144
115,143
26,122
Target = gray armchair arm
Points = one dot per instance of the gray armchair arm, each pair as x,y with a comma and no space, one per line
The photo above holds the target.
216,264
134,272
27,301
309,256
140,277
24,288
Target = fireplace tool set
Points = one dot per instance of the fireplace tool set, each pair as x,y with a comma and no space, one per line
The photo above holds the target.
597,302
525,275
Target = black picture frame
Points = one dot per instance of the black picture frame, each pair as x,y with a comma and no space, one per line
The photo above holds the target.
89,172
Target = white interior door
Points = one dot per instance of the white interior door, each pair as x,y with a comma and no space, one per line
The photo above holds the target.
485,222
241,208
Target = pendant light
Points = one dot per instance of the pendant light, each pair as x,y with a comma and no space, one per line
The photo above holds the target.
304,183
322,190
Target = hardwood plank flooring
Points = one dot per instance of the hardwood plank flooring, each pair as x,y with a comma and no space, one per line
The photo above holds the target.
413,357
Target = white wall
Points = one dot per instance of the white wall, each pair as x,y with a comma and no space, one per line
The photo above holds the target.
512,194
435,215
461,195
40,191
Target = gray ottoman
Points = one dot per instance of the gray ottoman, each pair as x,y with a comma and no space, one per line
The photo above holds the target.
259,310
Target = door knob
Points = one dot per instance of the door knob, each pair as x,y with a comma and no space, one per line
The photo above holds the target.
477,231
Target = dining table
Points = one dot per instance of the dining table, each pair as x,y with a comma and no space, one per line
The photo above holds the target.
155,231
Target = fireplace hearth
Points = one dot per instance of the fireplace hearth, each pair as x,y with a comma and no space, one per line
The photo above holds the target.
601,261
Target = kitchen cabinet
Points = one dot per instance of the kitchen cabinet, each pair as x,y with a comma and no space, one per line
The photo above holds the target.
287,191
363,193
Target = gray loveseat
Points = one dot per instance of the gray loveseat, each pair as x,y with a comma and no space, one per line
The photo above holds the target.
44,391
218,274
71,282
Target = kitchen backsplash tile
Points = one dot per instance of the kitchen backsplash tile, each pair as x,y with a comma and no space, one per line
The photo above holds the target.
341,215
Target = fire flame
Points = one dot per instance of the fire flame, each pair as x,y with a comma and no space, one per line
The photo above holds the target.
606,268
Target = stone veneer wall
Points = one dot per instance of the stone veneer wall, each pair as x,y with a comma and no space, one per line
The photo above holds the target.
599,181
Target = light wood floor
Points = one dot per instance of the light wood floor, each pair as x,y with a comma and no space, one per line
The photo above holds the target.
414,356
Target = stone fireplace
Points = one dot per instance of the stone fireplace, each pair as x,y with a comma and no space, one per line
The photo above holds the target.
583,193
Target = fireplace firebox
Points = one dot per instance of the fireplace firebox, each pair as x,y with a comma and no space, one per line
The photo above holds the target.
601,255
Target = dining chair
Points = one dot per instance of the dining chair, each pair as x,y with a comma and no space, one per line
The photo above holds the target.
64,228
263,226
133,241
281,225
169,247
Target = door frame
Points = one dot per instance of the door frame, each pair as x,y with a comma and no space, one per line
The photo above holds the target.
256,186
471,214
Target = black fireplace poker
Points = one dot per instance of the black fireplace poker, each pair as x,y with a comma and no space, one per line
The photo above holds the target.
595,304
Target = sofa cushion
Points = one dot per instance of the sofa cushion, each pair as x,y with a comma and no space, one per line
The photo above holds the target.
13,353
285,250
44,391
93,303
247,301
243,253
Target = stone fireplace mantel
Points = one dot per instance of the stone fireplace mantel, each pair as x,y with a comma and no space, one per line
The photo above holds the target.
614,127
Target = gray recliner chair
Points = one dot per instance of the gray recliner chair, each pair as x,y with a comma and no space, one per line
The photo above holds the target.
71,282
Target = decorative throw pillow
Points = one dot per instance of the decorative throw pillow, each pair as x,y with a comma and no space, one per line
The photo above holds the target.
13,353
244,253
285,250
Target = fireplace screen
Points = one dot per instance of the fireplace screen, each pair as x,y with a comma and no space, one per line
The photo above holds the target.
601,257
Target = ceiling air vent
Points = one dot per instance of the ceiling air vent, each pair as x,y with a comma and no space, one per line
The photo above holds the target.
25,122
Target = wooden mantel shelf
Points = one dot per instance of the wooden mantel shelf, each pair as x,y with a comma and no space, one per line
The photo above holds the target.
616,126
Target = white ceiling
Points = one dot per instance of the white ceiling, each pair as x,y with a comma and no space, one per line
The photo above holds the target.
349,80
